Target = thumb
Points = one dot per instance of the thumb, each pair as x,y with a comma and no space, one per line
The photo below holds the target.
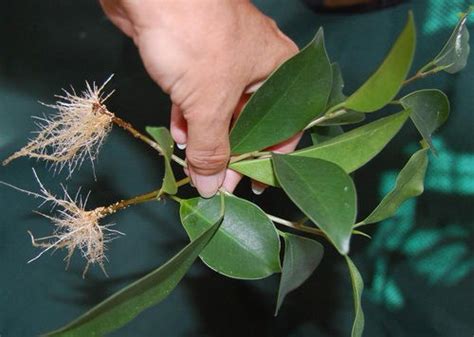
207,151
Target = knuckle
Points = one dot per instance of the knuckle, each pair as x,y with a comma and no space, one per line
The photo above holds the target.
272,24
287,47
192,114
180,92
286,50
292,47
208,161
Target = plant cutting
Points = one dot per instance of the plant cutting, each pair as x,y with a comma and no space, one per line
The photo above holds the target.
232,236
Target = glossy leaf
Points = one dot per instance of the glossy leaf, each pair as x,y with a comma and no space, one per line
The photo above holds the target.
385,83
336,96
246,246
302,257
162,136
150,290
453,57
429,110
409,184
295,94
320,134
350,150
323,192
357,289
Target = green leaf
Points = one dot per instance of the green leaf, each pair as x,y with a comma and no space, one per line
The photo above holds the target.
336,96
150,290
348,117
302,257
323,192
409,184
357,289
246,246
320,134
295,94
385,83
350,150
453,57
162,136
429,110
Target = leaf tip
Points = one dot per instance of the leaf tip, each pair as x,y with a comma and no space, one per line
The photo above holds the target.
345,245
320,33
275,314
318,39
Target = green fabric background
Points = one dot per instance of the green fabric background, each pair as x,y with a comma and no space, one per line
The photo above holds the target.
418,267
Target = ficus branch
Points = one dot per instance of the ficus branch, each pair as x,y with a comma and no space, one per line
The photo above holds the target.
153,195
137,134
327,116
335,111
252,155
150,196
425,71
295,225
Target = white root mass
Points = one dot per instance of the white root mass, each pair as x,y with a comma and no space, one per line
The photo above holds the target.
74,133
75,227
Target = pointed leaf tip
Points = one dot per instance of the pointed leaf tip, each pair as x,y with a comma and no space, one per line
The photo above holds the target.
149,290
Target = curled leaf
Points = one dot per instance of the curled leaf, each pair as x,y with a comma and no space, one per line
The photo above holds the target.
454,54
336,96
302,257
163,137
409,184
429,110
357,289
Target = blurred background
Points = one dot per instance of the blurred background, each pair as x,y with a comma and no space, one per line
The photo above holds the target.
418,267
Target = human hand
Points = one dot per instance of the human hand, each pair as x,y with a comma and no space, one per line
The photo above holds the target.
206,55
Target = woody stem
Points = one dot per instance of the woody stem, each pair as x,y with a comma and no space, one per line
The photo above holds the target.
137,134
122,204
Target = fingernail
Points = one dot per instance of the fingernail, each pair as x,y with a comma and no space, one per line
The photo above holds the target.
207,186
254,87
181,146
258,189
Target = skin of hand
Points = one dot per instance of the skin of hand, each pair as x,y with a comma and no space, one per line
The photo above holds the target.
207,55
